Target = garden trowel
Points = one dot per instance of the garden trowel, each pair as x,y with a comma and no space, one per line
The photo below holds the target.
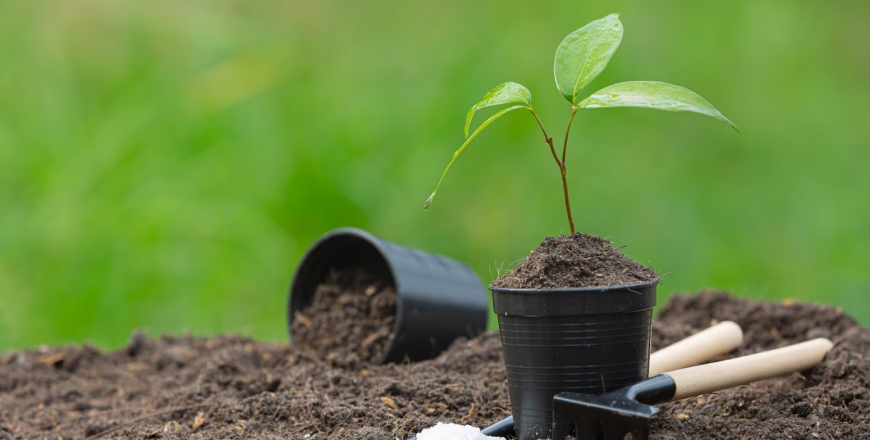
627,411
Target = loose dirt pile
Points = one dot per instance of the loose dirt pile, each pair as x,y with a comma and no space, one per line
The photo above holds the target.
351,310
233,387
830,402
576,260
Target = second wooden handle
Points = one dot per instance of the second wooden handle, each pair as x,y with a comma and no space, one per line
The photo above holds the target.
717,376
696,349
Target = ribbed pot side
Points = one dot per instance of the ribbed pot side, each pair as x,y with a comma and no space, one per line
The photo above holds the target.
585,340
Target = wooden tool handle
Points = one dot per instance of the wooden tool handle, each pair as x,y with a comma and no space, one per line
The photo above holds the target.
694,381
696,349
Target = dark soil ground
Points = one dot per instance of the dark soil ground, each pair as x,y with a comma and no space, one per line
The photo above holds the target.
576,260
352,309
232,387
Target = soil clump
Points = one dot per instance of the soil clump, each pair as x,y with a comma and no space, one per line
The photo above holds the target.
231,387
576,260
352,309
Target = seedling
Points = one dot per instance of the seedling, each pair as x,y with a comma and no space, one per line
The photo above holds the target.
580,58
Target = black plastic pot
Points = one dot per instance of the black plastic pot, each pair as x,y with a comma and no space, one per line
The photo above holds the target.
439,299
585,340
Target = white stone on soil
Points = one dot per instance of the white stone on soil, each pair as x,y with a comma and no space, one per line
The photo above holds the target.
450,431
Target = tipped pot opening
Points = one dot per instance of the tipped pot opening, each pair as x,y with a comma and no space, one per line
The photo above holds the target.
436,299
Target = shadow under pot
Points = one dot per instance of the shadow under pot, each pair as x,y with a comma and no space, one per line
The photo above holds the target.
354,291
585,340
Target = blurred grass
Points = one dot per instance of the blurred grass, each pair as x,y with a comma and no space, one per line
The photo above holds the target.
164,164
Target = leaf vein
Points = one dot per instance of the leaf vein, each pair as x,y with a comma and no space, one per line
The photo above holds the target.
585,63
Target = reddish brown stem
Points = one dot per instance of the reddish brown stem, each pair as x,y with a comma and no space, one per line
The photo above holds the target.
560,163
567,202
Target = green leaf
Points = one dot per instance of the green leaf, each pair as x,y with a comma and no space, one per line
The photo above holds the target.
465,144
507,93
584,54
653,94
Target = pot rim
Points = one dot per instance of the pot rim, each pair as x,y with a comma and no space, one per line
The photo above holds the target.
494,289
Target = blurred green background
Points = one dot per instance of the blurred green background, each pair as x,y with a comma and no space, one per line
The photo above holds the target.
164,164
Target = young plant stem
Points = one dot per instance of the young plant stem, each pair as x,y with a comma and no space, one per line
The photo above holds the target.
547,137
567,131
560,163
567,202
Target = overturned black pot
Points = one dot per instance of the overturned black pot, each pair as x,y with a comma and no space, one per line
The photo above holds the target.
585,340
439,299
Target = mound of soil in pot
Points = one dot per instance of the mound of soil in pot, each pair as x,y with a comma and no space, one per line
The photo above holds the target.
352,310
576,260
233,387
